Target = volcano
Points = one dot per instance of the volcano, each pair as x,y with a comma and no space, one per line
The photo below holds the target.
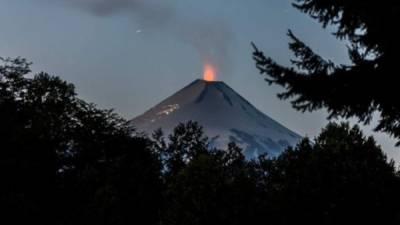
224,115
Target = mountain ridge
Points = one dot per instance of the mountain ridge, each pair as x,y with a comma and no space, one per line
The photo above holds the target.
225,116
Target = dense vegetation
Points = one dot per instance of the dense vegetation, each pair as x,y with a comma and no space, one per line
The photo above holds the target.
367,85
63,161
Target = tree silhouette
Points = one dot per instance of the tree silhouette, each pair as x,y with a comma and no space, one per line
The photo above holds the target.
185,143
211,186
66,162
341,178
367,85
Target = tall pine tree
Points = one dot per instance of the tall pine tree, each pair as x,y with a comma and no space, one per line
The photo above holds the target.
367,85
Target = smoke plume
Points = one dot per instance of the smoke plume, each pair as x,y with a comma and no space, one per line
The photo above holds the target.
210,38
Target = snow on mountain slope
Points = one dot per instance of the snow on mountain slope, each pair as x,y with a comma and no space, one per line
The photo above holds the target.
224,115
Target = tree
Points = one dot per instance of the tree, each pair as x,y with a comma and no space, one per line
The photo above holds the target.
185,143
369,84
34,113
211,186
64,161
340,178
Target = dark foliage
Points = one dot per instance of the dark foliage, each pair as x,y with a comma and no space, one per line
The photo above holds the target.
63,161
369,84
211,187
341,178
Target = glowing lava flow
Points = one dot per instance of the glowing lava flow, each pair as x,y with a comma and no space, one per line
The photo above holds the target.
209,72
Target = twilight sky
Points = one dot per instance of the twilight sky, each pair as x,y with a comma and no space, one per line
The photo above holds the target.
131,54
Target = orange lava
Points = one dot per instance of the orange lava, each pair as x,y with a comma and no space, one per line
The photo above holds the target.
209,72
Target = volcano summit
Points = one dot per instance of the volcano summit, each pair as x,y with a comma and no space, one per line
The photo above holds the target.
225,116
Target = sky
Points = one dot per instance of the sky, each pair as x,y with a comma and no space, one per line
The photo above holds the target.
131,54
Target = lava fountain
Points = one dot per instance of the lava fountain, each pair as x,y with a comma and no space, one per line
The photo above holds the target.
209,72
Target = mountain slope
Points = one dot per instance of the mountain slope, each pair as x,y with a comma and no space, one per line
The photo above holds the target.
225,116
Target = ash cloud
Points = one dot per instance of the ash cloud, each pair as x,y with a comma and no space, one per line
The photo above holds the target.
210,38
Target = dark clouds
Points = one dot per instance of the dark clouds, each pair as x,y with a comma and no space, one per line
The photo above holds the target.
210,38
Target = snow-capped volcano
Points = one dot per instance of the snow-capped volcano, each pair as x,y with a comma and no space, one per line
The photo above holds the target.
225,116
